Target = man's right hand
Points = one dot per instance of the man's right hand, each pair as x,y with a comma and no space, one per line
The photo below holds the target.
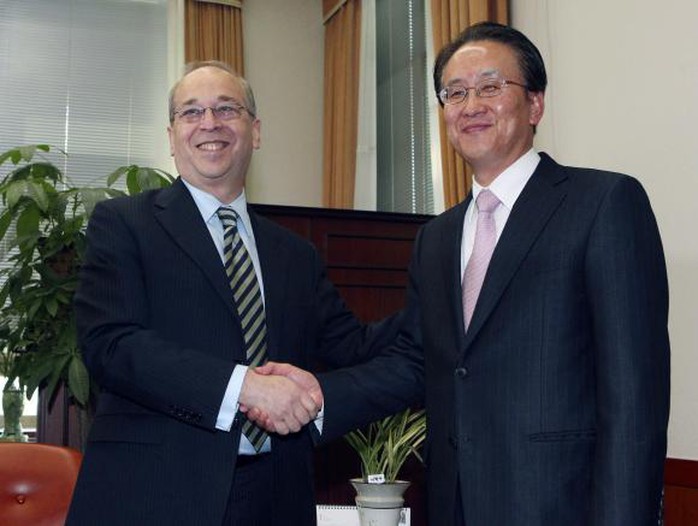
276,401
303,381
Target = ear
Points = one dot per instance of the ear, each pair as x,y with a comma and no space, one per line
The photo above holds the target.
537,107
170,136
256,134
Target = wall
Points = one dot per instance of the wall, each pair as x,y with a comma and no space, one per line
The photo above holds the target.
284,46
623,92
623,96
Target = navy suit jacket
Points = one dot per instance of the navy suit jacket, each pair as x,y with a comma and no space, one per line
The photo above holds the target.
552,409
160,335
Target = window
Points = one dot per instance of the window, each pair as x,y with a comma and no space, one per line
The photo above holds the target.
404,182
89,77
86,76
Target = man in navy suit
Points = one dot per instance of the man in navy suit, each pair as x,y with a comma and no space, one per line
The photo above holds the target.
548,402
167,342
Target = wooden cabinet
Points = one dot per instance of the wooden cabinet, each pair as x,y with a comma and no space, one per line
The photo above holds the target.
367,255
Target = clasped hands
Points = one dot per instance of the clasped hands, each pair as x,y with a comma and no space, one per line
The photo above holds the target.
280,397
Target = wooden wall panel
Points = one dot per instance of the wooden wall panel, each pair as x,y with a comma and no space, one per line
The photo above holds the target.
681,492
366,253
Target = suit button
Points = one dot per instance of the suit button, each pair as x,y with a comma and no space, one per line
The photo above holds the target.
461,372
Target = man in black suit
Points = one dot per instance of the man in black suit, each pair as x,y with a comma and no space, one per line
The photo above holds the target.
177,304
547,394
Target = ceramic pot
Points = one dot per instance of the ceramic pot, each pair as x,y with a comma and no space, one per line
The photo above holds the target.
379,504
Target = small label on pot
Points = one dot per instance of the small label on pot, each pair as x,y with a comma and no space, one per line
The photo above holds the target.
376,479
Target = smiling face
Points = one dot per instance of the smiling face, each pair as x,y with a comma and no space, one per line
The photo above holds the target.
212,154
490,133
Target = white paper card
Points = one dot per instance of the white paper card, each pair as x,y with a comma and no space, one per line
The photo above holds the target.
328,515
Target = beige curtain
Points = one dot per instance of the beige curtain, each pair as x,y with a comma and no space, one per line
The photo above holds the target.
341,94
450,17
213,31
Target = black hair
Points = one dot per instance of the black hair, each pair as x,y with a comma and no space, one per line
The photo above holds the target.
529,58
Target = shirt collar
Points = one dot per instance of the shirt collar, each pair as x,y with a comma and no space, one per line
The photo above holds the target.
208,205
508,185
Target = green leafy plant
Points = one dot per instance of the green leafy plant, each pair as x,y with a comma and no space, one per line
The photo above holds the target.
44,219
385,445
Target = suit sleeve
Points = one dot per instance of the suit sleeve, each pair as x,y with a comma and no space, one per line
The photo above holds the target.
342,339
387,377
123,352
628,296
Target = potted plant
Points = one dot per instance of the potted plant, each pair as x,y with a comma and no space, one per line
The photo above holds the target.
45,217
383,448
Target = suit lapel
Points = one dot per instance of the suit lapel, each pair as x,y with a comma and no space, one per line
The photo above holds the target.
539,199
176,211
451,250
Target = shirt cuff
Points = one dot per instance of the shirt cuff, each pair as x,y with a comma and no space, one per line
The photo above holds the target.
319,419
229,405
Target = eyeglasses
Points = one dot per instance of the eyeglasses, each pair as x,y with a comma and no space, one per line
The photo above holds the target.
485,88
225,111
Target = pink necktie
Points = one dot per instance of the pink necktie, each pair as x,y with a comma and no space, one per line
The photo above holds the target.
485,240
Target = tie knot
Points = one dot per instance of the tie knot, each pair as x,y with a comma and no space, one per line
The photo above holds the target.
228,216
487,202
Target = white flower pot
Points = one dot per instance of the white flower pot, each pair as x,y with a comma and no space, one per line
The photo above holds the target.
379,504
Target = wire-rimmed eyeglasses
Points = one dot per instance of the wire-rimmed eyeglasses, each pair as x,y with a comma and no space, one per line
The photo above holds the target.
486,88
225,111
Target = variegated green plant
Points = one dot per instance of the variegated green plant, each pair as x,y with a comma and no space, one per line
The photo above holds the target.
385,445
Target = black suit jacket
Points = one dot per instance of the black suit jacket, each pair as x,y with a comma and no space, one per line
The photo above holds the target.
552,409
160,335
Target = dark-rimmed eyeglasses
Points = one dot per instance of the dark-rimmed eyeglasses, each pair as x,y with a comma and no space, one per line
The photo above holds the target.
225,111
487,88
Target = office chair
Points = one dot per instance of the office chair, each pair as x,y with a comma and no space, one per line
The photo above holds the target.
36,483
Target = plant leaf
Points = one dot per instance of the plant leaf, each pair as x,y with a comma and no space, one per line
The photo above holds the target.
132,185
44,171
27,152
90,197
28,222
38,194
5,222
39,370
78,379
5,156
116,174
14,192
58,372
52,306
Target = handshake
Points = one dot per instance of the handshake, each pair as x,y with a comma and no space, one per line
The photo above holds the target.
280,397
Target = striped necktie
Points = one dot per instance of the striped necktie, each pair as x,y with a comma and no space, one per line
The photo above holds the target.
248,301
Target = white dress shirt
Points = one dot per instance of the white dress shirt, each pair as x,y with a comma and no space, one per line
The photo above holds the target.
507,186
